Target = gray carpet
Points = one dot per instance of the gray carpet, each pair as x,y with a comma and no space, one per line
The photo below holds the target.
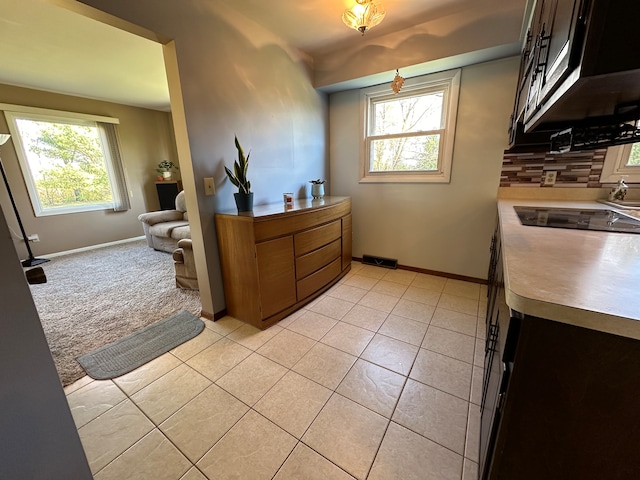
133,351
97,297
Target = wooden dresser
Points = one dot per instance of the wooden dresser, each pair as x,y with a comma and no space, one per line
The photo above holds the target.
276,258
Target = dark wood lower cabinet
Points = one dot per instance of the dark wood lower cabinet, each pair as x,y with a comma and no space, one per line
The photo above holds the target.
559,401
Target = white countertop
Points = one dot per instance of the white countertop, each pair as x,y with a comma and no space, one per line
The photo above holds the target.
585,278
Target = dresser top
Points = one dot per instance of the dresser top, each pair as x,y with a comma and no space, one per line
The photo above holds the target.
280,209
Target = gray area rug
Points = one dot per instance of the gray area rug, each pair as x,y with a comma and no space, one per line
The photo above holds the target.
96,297
132,351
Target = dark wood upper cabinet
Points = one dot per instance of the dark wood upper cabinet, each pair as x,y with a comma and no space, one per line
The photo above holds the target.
580,61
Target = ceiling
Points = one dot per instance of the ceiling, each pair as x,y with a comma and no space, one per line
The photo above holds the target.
47,47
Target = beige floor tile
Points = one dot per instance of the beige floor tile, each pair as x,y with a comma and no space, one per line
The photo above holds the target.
476,385
289,319
92,400
389,288
197,426
379,301
347,434
332,307
254,449
112,433
305,464
450,343
469,470
152,458
165,396
253,338
361,281
325,365
434,414
286,348
414,310
293,403
429,282
456,321
445,373
147,373
462,289
78,384
224,326
373,271
458,304
347,292
390,353
373,387
483,292
216,360
193,474
252,378
365,317
478,355
348,338
481,328
408,456
188,349
312,325
404,329
472,443
355,266
482,309
422,295
404,277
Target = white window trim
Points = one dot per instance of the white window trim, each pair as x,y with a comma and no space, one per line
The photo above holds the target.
615,166
450,80
11,112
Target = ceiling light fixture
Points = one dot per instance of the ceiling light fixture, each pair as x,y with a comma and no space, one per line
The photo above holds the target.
364,15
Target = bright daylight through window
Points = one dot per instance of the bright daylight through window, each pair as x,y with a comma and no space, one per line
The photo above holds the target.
622,161
69,163
409,136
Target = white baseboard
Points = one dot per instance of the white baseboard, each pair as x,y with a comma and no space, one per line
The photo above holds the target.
92,247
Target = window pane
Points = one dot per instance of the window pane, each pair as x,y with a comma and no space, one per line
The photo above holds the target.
419,153
411,114
634,156
67,164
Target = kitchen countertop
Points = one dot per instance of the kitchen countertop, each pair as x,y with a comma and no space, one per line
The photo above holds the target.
586,278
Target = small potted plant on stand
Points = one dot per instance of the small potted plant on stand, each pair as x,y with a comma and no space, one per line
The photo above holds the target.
165,169
244,197
317,188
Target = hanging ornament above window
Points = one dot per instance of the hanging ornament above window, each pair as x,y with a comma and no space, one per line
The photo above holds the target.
397,83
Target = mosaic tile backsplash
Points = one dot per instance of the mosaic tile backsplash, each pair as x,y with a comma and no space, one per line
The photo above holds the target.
575,169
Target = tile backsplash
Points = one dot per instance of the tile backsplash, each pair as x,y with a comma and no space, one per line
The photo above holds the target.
575,169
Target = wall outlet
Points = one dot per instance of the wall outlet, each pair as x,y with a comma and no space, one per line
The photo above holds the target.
550,177
209,186
33,238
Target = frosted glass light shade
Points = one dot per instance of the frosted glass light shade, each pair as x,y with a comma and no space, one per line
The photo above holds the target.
4,137
364,15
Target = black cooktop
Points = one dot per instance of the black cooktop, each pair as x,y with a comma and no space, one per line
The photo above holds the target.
578,218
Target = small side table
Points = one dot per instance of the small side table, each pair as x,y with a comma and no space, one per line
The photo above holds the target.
167,193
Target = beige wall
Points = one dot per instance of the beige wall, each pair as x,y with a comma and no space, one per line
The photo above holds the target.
439,227
235,78
146,137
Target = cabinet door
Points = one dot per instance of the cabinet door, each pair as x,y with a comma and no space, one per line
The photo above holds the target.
276,275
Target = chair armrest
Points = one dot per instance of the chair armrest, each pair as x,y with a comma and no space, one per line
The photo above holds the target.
185,243
152,218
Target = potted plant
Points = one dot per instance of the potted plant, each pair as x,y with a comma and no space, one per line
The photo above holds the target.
165,168
244,197
317,188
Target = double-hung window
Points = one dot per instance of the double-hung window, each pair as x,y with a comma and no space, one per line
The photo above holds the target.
408,137
622,162
70,162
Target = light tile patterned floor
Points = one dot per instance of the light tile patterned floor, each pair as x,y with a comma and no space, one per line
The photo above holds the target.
379,378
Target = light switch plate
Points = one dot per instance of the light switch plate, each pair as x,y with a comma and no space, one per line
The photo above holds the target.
209,186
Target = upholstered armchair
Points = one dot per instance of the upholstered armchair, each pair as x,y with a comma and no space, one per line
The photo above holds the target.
165,228
185,265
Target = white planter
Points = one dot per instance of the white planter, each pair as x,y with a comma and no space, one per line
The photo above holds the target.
317,190
166,175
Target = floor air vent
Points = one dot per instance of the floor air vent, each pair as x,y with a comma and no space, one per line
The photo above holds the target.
380,261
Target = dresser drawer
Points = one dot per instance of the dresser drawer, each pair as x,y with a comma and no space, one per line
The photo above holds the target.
319,279
310,240
309,263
